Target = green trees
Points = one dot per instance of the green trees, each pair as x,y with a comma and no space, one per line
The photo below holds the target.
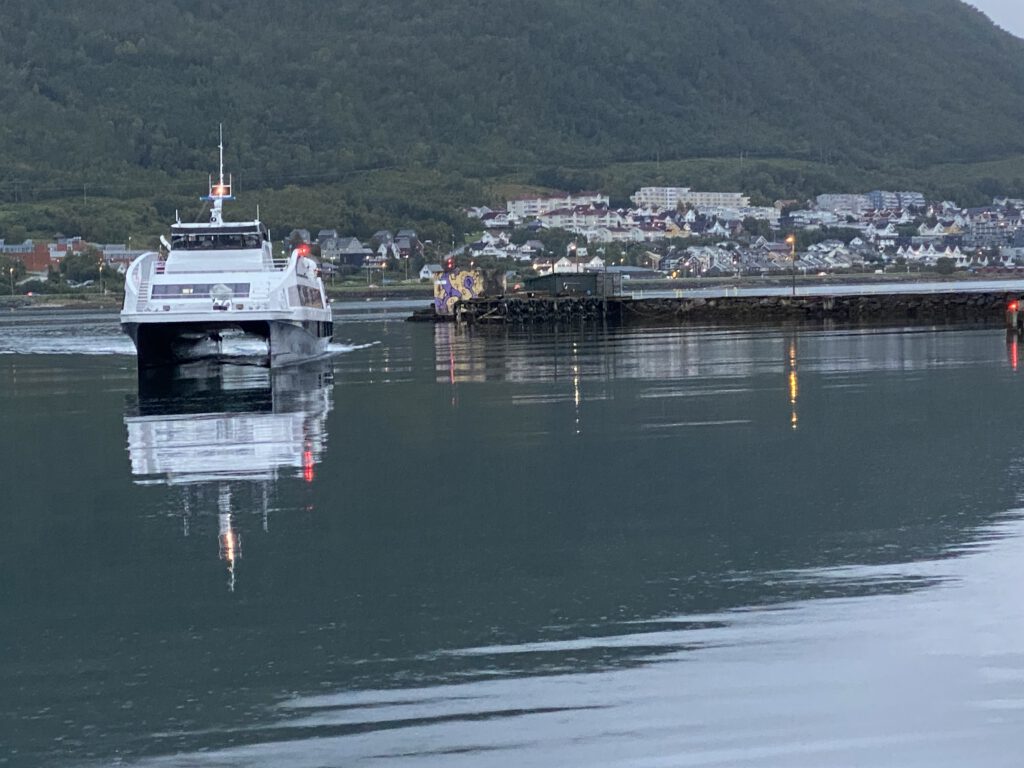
557,241
557,92
79,267
782,100
757,227
11,271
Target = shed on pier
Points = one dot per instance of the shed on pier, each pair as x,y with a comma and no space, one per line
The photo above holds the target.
602,284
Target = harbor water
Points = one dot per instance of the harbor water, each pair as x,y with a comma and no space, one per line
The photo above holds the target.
774,545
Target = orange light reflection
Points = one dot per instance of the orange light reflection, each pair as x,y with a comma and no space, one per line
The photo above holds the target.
307,465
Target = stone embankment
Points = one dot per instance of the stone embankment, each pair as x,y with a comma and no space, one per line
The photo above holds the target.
895,306
873,307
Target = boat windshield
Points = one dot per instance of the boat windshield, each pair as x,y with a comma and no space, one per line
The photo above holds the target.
214,241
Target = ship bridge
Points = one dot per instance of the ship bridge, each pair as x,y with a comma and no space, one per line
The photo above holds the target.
238,247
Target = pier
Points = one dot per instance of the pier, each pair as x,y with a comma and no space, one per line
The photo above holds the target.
949,302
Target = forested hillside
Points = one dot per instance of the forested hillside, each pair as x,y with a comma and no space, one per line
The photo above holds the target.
99,96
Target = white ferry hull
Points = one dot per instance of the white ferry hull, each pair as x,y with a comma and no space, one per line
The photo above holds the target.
294,342
185,339
175,312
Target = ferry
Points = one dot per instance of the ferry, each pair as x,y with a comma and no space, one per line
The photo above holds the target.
220,277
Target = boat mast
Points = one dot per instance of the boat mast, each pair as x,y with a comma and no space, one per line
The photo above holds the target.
220,191
220,146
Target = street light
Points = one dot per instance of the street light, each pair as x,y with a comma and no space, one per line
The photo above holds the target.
101,277
791,239
11,271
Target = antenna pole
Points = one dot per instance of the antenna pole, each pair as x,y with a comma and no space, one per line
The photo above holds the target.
221,146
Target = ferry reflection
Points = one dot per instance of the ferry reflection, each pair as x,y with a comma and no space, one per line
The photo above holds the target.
222,437
794,384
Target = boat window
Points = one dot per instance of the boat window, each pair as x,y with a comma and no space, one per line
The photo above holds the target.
214,241
197,290
304,295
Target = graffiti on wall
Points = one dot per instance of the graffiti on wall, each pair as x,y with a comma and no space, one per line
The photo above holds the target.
450,287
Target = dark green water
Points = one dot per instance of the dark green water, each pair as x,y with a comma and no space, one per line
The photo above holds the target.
660,547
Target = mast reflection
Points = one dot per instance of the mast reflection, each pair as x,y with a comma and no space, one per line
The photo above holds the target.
223,436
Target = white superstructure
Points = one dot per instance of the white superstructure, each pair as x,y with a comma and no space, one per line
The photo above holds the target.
219,276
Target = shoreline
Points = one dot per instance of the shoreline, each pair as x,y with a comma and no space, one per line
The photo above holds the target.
114,301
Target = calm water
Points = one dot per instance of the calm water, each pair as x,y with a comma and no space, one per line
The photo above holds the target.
655,547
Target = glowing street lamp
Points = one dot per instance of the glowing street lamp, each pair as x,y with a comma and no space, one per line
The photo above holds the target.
11,271
791,239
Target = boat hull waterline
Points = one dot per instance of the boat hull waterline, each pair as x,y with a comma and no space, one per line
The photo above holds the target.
287,341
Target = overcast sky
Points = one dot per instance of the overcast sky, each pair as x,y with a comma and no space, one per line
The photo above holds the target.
1008,14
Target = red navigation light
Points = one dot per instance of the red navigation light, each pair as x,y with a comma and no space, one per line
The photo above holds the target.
450,264
303,249
1013,306
307,465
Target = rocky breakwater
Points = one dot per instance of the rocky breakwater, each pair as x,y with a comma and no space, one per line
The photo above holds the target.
860,307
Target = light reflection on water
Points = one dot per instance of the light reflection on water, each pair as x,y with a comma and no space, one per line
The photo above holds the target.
466,355
495,547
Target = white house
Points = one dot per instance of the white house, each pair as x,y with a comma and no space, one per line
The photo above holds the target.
430,271
528,206
718,230
580,218
497,220
564,265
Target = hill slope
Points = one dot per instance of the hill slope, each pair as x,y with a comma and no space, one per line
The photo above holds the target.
309,90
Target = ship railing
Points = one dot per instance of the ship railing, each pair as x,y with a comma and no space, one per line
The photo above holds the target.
160,266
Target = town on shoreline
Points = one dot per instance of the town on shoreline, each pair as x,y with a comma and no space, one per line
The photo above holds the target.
676,237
